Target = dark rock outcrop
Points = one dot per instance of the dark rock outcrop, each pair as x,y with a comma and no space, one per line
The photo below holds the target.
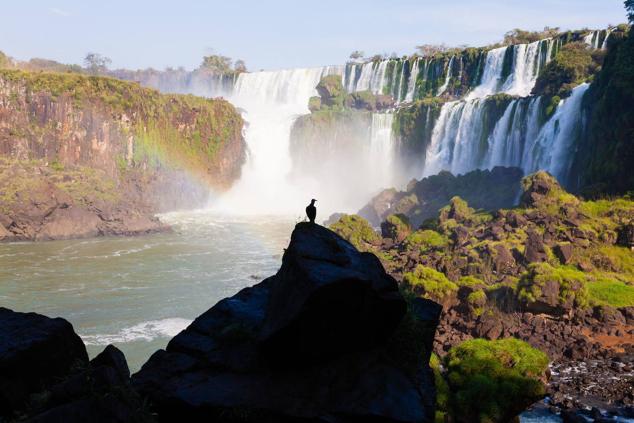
34,351
307,344
482,189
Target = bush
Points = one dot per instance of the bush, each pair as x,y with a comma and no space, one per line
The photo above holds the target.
425,240
493,381
573,65
572,290
357,231
432,283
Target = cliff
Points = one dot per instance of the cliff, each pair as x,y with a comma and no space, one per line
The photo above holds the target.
94,143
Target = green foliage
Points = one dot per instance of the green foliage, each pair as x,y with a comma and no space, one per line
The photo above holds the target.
574,64
493,381
314,103
629,6
571,283
605,155
178,130
331,91
429,282
425,241
520,36
611,292
56,165
470,281
217,64
357,231
442,387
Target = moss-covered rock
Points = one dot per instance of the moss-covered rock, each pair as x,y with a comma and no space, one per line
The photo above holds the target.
357,231
396,227
331,91
493,381
430,283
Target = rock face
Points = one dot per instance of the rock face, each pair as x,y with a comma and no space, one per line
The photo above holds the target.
84,156
307,344
34,351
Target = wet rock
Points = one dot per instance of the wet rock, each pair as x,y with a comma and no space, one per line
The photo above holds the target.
626,236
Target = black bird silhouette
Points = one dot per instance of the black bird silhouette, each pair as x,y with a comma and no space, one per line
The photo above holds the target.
311,211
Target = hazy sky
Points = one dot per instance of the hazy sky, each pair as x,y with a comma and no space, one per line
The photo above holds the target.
273,34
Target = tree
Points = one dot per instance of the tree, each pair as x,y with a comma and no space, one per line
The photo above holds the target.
629,6
428,50
240,66
96,64
357,55
216,63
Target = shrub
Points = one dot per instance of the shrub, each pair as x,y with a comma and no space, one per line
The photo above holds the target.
432,283
469,281
357,231
571,283
493,381
573,65
425,240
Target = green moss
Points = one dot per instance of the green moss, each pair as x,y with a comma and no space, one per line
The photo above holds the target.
611,292
572,284
573,65
429,282
425,241
470,281
357,231
183,130
493,381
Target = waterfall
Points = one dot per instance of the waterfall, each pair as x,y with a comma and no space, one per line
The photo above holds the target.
556,143
526,62
381,150
463,141
598,39
271,101
411,86
444,86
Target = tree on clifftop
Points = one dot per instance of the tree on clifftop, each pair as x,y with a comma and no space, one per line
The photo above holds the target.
357,55
96,64
629,6
216,63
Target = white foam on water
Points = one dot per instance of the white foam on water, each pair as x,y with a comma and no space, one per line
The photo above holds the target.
145,331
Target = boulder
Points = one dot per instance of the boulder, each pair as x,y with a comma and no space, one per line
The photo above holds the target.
626,236
534,248
563,252
396,228
35,350
309,343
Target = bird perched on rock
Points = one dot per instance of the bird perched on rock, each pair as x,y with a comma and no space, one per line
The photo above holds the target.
311,211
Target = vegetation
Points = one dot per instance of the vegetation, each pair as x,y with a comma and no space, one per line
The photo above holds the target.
429,283
520,36
174,130
493,381
357,231
96,64
605,154
425,240
568,282
575,63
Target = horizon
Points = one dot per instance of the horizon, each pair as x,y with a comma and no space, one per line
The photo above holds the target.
309,39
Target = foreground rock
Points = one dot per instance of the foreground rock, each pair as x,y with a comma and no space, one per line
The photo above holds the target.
45,375
34,351
309,343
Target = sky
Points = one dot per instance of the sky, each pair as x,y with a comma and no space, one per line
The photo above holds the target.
273,34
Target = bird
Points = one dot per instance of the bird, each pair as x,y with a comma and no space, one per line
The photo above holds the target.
311,211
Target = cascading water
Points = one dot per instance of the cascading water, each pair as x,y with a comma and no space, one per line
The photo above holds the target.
381,150
598,39
462,141
271,101
448,71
